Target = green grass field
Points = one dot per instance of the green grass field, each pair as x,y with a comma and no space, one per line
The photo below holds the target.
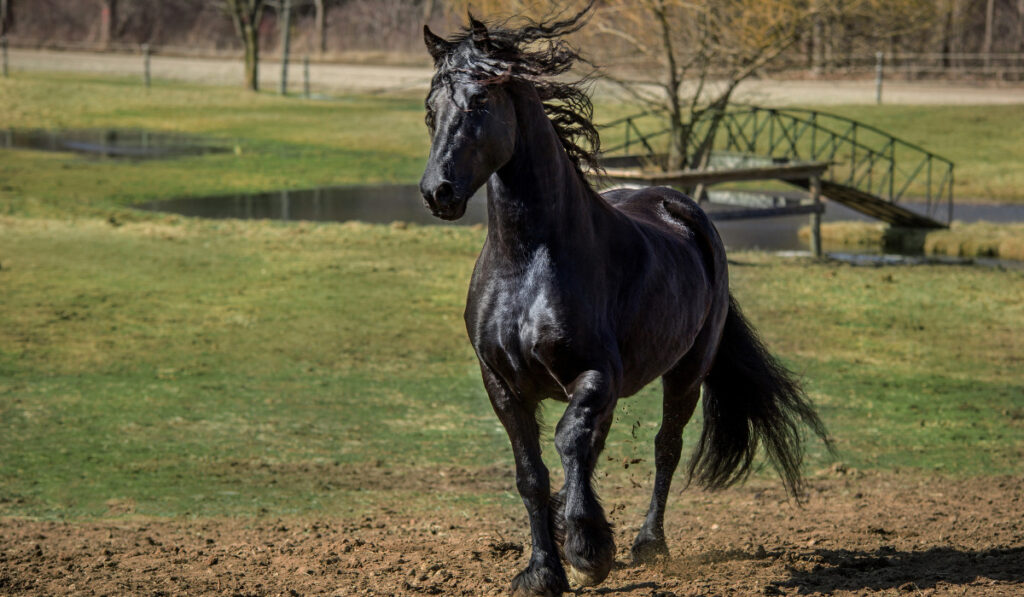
294,143
239,368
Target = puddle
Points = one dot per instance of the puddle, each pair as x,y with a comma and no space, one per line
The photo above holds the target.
110,143
378,204
383,204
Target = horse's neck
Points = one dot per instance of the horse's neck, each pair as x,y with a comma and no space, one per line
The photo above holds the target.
538,197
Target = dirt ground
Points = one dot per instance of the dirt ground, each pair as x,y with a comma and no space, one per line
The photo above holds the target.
858,534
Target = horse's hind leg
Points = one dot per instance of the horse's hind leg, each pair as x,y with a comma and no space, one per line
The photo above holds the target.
681,392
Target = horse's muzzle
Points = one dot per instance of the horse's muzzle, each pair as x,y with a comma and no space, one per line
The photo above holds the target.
442,201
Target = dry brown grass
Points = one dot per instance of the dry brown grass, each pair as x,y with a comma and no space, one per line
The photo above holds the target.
976,239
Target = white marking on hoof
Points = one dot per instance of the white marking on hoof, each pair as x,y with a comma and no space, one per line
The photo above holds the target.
580,578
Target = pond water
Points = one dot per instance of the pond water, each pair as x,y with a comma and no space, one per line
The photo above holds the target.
388,203
111,143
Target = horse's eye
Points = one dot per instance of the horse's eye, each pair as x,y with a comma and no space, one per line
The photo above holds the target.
478,101
429,119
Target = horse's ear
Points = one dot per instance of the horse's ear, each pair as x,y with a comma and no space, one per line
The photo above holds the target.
436,45
478,31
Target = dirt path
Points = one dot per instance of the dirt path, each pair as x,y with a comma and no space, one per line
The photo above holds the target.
857,535
337,78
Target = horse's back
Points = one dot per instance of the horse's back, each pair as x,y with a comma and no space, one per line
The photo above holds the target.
669,211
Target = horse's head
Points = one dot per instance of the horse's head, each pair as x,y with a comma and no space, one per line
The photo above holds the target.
471,119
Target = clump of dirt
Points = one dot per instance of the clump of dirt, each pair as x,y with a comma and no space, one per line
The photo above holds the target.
857,534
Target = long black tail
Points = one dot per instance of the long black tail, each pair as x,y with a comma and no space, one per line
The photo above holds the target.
750,398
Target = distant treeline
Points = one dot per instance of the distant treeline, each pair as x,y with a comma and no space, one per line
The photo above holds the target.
925,36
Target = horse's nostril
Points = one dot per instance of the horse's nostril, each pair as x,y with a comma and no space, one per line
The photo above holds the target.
443,193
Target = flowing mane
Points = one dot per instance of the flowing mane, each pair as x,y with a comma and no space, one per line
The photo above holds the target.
534,51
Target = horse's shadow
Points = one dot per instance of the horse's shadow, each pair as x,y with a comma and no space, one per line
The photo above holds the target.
888,568
853,570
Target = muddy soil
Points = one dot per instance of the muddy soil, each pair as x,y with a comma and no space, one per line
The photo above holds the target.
858,534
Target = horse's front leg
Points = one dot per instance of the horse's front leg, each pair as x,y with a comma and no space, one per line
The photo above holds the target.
544,574
589,547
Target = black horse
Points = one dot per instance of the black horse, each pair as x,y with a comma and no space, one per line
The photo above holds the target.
587,298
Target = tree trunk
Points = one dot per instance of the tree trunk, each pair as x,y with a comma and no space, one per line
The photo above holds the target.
986,45
321,33
286,8
677,147
246,15
1020,37
817,42
108,21
250,36
947,37
5,17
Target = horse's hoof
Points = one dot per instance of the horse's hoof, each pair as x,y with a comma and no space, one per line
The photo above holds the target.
583,578
649,551
589,553
524,592
539,581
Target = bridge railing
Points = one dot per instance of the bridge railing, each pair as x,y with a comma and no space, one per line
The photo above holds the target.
862,157
644,133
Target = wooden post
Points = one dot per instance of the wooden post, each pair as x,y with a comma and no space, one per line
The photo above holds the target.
817,39
5,10
305,77
286,44
879,62
986,43
145,65
3,59
108,22
815,188
320,19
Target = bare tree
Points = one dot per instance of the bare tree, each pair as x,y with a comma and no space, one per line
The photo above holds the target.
688,57
108,22
247,15
1020,30
5,17
320,18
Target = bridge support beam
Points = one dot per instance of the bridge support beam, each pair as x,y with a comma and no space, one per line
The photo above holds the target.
815,188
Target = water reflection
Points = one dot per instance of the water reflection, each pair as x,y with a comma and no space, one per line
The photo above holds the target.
384,204
379,204
111,143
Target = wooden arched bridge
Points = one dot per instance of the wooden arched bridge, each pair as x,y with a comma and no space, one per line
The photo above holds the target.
851,162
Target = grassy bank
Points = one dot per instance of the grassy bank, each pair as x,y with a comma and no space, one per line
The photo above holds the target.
295,143
277,143
235,368
167,366
977,239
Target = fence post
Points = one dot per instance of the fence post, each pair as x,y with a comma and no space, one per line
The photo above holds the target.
879,61
286,46
3,50
145,65
816,216
305,77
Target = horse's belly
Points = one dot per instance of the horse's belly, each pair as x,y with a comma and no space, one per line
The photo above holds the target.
661,329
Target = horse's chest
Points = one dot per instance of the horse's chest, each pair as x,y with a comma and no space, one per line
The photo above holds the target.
517,332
